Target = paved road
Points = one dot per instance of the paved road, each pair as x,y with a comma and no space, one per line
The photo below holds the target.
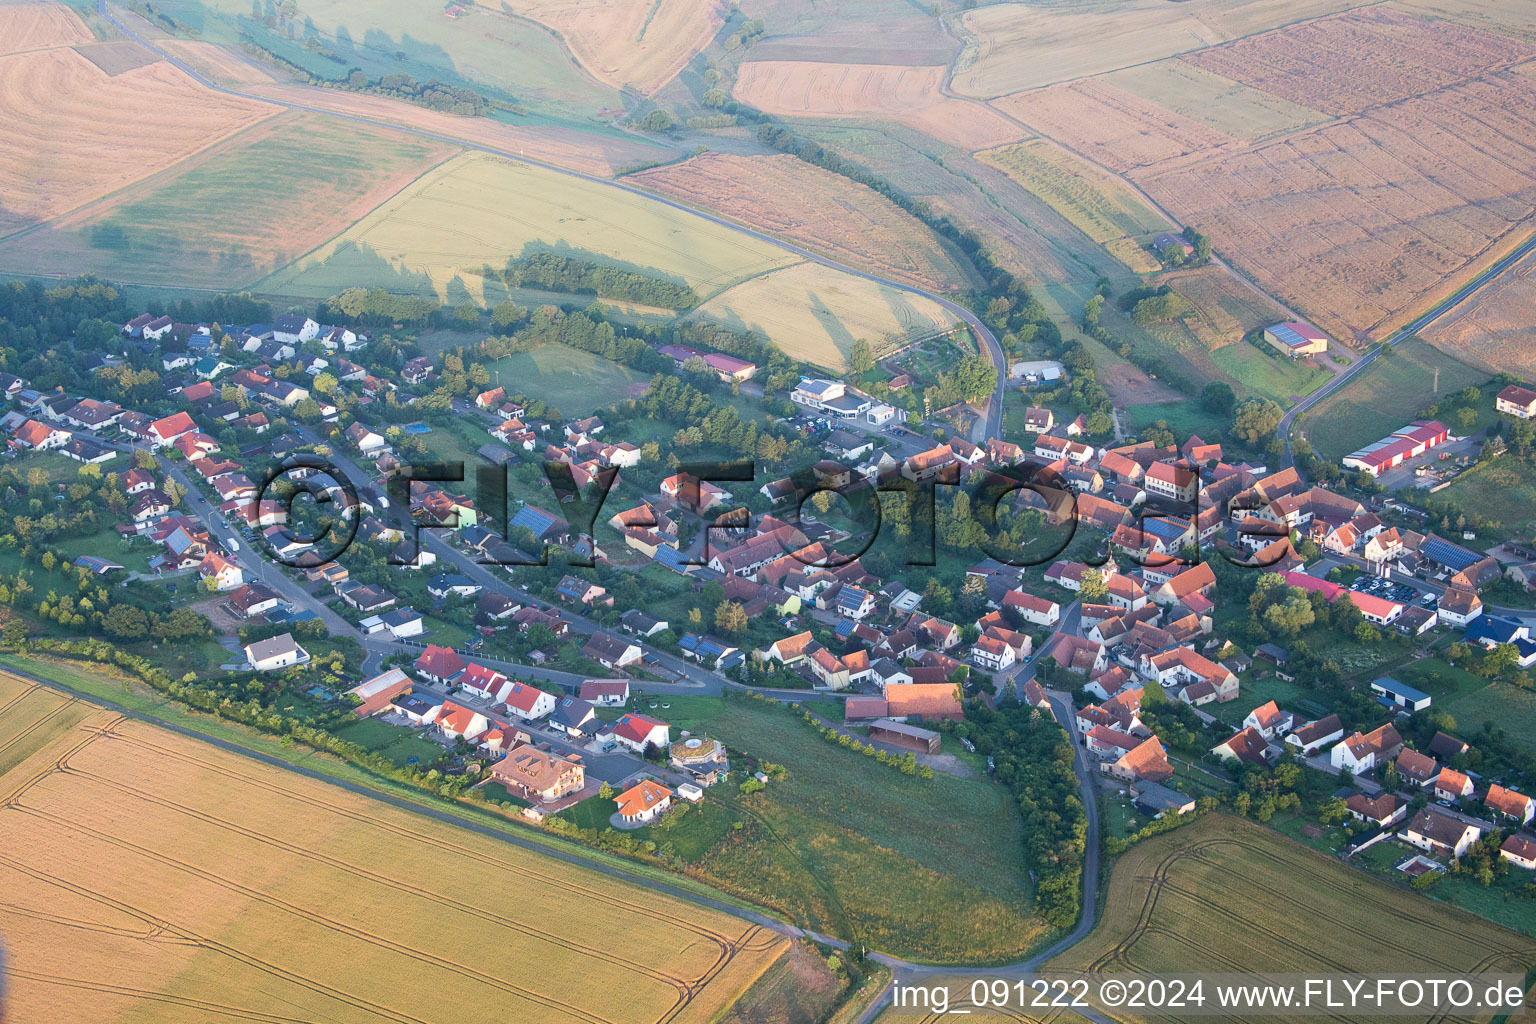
1477,284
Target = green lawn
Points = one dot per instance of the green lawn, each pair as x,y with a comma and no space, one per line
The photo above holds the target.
577,382
1184,417
1474,701
1385,396
701,827
1254,692
856,848
397,743
1502,491
1273,377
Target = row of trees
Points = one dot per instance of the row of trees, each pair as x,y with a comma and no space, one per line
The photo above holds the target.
554,272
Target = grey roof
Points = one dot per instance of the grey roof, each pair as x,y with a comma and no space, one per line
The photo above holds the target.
271,647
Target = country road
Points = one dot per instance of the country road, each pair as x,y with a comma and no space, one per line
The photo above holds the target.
1471,288
992,415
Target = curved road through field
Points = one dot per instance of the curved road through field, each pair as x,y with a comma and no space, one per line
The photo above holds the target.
1471,288
991,423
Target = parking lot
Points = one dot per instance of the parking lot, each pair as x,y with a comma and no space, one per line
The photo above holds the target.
1391,591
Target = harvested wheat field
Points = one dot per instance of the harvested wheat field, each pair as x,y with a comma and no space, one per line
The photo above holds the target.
788,197
1014,46
54,154
153,877
222,64
40,27
1368,58
235,212
1497,329
637,43
1110,126
1102,208
1501,16
906,95
32,718
439,234
816,313
1213,100
1362,223
601,155
1184,902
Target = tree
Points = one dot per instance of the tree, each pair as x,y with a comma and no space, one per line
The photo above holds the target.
730,618
605,791
126,622
1092,588
325,383
1332,811
1255,419
1218,397
861,357
505,314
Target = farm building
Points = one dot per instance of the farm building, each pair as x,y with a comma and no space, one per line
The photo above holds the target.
1297,339
1393,450
377,694
903,735
1390,691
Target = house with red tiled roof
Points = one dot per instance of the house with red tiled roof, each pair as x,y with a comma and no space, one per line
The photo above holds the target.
1360,753
225,574
1520,850
639,732
1249,745
1269,721
1451,784
528,702
644,802
1510,804
1383,809
1037,611
1417,769
1197,579
440,664
457,722
1145,762
165,431
39,436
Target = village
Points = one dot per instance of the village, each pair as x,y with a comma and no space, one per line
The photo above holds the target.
516,640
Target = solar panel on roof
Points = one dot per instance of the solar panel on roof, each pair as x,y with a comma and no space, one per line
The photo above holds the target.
1454,556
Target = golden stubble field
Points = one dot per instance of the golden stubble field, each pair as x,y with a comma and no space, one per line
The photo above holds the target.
638,43
788,197
1416,176
151,877
70,132
905,95
1224,895
39,27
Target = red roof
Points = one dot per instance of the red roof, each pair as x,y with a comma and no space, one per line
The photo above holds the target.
442,662
172,426
523,697
636,728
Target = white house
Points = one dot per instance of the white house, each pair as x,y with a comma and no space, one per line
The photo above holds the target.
1362,753
644,803
1436,831
294,329
529,702
275,653
639,732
